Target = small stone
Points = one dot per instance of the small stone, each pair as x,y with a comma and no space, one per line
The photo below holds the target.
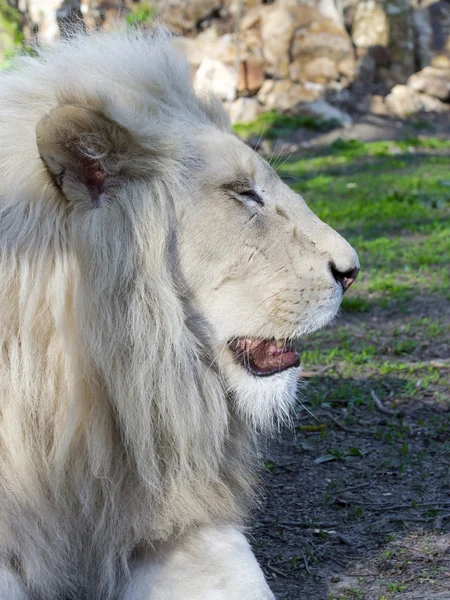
244,110
285,95
213,75
432,81
441,61
404,101
325,110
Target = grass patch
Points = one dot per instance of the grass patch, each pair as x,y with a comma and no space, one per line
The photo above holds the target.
272,124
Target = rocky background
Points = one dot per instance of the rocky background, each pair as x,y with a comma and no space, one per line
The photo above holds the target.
331,58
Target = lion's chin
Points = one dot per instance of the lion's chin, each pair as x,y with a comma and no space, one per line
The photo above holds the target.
264,357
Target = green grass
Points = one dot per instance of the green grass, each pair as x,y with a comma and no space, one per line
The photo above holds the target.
273,125
10,35
395,210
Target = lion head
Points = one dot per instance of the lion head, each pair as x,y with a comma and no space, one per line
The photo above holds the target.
253,267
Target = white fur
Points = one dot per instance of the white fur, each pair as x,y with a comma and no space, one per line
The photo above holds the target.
210,564
125,423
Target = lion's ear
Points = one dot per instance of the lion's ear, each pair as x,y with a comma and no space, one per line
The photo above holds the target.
85,152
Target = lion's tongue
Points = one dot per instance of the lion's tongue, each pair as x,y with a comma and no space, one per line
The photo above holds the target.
263,357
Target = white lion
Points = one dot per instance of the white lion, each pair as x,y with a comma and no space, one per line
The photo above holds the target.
153,270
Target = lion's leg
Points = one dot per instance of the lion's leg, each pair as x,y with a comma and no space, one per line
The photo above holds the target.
209,564
10,586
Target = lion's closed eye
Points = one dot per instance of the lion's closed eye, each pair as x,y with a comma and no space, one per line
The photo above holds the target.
244,192
252,196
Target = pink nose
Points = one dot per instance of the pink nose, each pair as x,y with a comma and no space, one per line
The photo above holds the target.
345,278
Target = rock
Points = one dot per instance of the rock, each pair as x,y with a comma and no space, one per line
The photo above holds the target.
213,75
252,18
211,45
286,95
277,27
251,76
323,109
295,33
432,81
43,16
348,12
185,15
404,101
378,106
347,67
370,25
326,8
388,25
441,61
318,38
318,70
244,110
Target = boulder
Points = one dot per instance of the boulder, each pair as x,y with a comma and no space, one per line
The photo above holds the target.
277,27
234,6
244,110
251,76
295,33
213,75
377,105
286,95
404,101
389,25
323,109
318,70
320,42
441,61
185,15
370,25
327,8
432,81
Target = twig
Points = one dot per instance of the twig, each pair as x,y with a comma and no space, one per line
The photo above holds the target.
353,487
275,570
316,373
437,363
344,540
437,523
299,524
381,507
407,519
338,423
380,406
343,427
308,570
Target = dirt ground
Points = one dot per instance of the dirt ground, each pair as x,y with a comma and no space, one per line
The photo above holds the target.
357,491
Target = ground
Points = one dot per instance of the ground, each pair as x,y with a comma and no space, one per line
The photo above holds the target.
357,503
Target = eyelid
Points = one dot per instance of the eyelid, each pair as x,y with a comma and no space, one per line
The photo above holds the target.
252,195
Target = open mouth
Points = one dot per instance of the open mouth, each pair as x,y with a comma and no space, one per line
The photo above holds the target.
264,357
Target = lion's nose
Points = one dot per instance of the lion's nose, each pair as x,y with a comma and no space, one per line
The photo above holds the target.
345,278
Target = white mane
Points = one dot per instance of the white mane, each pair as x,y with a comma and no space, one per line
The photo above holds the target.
109,437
